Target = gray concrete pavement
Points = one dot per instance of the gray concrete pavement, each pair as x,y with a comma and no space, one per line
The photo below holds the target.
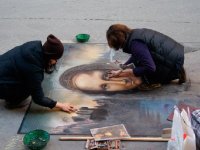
23,20
28,20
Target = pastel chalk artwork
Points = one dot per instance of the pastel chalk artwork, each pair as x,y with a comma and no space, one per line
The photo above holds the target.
80,80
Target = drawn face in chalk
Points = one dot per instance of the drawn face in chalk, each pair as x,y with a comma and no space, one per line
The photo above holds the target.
93,78
97,80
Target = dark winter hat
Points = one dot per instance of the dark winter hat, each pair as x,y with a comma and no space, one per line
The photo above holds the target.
53,48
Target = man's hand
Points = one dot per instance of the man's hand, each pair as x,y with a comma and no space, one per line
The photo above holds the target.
66,107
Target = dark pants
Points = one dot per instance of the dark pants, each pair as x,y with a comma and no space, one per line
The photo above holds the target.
167,78
13,94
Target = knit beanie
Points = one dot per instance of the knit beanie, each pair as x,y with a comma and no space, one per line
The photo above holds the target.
53,48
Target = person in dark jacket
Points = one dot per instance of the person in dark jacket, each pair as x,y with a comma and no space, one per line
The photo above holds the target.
22,72
157,58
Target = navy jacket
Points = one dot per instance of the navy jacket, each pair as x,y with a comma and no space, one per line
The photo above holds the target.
22,69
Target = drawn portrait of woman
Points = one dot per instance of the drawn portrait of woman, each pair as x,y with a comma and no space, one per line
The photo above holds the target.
82,79
93,78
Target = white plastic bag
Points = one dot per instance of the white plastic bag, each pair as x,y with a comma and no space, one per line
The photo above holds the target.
182,136
189,142
176,141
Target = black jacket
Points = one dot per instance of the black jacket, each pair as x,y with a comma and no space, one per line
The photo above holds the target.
22,69
168,55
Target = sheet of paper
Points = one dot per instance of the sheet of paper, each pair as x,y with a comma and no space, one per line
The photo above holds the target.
110,132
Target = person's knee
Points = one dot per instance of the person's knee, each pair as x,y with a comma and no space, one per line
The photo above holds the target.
138,81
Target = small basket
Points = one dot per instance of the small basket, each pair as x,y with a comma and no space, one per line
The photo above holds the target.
82,37
36,139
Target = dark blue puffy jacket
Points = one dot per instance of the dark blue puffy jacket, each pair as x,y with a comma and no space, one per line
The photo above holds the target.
168,55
